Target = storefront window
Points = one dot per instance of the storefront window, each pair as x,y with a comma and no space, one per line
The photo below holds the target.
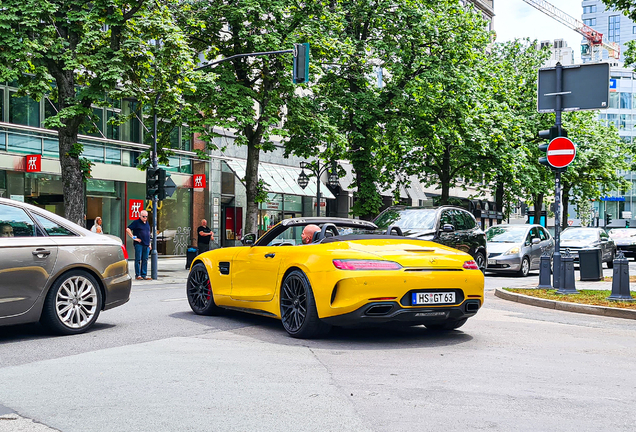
276,208
24,110
174,230
45,191
103,199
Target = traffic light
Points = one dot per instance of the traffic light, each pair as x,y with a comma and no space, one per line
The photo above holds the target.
152,182
161,190
608,219
550,134
301,63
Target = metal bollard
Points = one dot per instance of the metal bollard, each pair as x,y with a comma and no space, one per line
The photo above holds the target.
568,285
545,270
620,279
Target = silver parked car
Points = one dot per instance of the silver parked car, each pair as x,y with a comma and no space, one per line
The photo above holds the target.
517,248
575,239
57,272
625,240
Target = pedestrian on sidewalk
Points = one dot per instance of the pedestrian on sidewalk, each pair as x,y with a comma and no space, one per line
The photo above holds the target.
97,226
139,231
205,235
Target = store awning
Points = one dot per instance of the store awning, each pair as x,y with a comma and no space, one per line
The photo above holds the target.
281,179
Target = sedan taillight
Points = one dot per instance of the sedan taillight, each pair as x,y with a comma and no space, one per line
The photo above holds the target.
471,265
354,264
123,248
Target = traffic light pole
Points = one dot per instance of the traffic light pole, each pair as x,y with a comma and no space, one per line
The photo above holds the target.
556,263
300,48
154,256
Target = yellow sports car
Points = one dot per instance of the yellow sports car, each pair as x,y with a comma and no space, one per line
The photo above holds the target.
314,273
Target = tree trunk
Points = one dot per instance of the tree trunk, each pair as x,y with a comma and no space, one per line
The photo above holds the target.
69,151
537,200
445,177
72,178
565,199
499,196
251,188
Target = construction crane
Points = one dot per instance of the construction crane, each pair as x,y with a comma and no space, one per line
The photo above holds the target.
595,44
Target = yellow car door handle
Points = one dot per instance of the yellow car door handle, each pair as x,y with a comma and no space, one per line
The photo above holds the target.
270,255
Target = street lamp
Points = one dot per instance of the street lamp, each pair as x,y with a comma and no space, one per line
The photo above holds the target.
332,180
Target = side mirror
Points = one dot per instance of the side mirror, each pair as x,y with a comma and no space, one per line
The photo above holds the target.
536,241
448,228
248,239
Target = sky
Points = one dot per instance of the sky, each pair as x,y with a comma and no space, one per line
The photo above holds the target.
517,19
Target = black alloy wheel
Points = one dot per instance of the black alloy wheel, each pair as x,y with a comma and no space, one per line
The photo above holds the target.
610,263
199,291
480,260
298,308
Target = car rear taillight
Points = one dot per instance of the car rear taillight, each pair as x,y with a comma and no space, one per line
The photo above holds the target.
123,248
471,265
354,264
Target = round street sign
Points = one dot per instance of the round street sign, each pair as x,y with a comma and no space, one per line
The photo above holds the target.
561,152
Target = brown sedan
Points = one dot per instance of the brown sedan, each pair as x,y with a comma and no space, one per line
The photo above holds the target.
56,272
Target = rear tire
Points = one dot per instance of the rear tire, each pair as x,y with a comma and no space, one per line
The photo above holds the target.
72,304
447,326
610,263
199,291
298,308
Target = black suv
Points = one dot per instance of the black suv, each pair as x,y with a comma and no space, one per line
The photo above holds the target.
447,225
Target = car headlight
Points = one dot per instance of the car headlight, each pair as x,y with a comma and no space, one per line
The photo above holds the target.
512,251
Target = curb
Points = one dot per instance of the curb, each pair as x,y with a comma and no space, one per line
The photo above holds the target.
566,306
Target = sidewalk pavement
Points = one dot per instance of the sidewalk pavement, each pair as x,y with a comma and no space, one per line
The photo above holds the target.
169,270
614,312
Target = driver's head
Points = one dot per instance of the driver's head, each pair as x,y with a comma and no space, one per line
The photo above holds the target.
308,233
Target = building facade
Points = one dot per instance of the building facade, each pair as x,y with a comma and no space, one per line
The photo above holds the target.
116,191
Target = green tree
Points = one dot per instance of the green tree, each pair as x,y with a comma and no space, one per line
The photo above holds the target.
85,53
443,114
511,123
600,154
425,51
249,94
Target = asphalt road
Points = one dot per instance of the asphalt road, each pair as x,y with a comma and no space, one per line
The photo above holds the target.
152,365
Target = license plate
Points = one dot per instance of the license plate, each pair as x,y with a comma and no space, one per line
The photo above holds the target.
433,298
490,262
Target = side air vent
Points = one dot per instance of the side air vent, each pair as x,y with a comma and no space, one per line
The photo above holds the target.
224,268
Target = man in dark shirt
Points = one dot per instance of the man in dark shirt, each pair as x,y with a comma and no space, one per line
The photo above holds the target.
139,231
205,235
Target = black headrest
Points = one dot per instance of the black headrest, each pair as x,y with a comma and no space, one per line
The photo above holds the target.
329,233
315,237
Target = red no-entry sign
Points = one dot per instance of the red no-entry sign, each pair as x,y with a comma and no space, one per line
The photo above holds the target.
561,152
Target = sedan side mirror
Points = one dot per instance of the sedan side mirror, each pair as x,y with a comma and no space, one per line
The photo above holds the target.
248,239
536,241
448,228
